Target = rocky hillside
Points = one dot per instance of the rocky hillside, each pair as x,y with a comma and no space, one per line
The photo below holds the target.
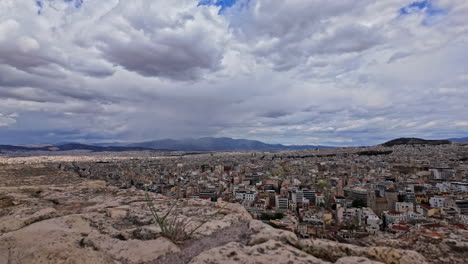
414,141
51,216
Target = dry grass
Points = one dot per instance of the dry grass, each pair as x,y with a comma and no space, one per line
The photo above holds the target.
173,227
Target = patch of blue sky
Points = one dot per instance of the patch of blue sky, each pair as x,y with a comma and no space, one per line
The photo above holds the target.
40,3
223,4
78,3
432,12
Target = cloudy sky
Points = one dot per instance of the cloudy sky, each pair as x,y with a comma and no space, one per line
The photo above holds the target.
346,72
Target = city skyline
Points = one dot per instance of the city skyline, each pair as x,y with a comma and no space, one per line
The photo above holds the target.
297,72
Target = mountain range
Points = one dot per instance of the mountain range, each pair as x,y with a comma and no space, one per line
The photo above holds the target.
202,144
217,144
71,146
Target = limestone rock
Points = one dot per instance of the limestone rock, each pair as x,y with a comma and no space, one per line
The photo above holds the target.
16,222
234,209
50,241
131,251
333,251
6,202
356,260
266,253
264,232
117,213
395,256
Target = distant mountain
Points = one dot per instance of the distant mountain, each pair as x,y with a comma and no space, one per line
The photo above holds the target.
414,141
111,144
217,144
72,146
201,144
458,140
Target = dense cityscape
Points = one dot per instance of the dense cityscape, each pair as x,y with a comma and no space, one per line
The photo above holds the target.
333,193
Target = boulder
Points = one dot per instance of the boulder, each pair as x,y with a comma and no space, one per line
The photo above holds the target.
263,232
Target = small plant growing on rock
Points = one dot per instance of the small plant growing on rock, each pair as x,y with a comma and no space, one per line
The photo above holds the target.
172,227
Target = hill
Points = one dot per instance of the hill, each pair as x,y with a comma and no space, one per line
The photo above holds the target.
458,140
217,144
72,146
414,141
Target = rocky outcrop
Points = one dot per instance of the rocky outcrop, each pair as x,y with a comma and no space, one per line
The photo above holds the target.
355,260
263,232
333,251
449,249
50,241
89,222
130,251
271,251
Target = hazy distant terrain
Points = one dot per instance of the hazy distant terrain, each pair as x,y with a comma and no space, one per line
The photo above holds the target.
459,140
217,144
201,144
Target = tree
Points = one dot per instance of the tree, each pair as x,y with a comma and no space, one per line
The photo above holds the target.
266,216
358,203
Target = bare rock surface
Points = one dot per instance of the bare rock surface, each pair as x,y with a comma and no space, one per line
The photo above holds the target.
452,249
263,232
130,251
333,251
356,260
271,251
237,233
49,216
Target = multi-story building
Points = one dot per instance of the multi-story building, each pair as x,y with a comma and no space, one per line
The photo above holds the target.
282,202
394,217
297,196
462,206
246,195
356,193
404,207
437,201
309,195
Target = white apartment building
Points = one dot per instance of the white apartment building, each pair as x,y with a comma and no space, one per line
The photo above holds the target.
437,201
246,195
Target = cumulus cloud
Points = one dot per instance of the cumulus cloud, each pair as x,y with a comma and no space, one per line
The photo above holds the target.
161,39
295,72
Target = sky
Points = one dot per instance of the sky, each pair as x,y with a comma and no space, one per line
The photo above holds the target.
341,73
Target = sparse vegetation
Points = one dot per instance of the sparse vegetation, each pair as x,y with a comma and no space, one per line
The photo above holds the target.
172,227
